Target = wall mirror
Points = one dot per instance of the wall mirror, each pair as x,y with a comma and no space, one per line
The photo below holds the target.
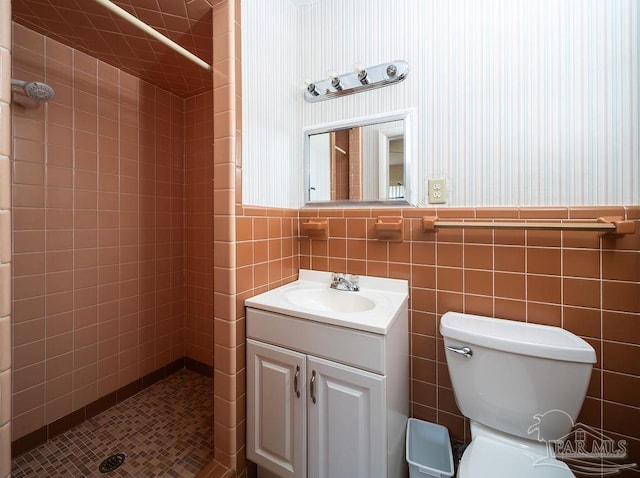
359,161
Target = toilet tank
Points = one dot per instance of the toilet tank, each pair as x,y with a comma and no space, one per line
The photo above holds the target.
524,379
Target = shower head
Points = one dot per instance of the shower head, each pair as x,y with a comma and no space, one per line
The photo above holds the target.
35,90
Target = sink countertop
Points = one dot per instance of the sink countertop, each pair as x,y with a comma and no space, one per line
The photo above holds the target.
386,296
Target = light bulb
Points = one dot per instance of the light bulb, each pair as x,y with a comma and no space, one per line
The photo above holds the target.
311,88
361,72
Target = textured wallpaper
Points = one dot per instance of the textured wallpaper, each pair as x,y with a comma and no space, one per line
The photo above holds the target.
516,102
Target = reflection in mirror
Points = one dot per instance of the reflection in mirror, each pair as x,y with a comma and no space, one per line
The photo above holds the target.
358,162
336,165
391,157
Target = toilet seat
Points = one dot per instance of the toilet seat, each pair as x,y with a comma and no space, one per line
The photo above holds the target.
490,458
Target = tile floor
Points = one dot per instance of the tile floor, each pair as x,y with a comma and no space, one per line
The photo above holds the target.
165,431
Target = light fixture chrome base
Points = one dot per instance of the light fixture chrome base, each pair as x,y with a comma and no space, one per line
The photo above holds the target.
357,81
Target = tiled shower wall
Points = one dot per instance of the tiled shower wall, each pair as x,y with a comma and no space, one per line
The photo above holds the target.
98,201
576,280
199,228
5,239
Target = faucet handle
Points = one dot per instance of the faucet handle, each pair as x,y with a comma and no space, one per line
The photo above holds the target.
355,279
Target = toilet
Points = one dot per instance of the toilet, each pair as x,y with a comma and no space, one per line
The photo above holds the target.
521,385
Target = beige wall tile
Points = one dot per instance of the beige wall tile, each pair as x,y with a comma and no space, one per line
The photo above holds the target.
28,399
5,450
5,236
5,342
27,422
59,407
5,131
5,397
5,290
5,72
5,182
5,25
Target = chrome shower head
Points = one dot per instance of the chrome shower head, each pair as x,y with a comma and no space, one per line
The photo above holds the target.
35,90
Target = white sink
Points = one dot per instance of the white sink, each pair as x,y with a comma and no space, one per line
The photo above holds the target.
329,300
373,308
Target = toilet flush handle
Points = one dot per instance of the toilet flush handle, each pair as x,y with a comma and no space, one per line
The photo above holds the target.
466,351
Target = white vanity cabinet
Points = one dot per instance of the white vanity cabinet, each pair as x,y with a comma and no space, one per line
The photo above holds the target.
346,424
276,409
325,401
311,414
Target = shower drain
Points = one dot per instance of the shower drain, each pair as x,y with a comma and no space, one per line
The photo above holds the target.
111,463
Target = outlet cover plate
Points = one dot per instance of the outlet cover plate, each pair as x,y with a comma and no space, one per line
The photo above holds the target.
437,190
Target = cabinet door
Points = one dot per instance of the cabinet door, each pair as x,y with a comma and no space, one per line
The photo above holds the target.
347,424
276,417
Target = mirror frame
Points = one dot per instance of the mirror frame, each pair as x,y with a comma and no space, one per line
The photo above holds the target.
410,190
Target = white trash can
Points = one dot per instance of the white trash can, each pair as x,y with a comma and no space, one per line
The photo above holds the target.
428,450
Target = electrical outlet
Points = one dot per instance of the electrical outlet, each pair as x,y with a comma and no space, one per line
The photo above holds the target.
437,190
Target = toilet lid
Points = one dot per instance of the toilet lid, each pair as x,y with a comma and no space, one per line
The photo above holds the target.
486,458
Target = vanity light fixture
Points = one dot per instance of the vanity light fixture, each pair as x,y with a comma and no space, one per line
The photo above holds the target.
362,79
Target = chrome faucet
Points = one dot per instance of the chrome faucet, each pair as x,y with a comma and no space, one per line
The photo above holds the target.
344,282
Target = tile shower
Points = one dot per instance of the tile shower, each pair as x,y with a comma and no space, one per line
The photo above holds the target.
112,281
146,216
